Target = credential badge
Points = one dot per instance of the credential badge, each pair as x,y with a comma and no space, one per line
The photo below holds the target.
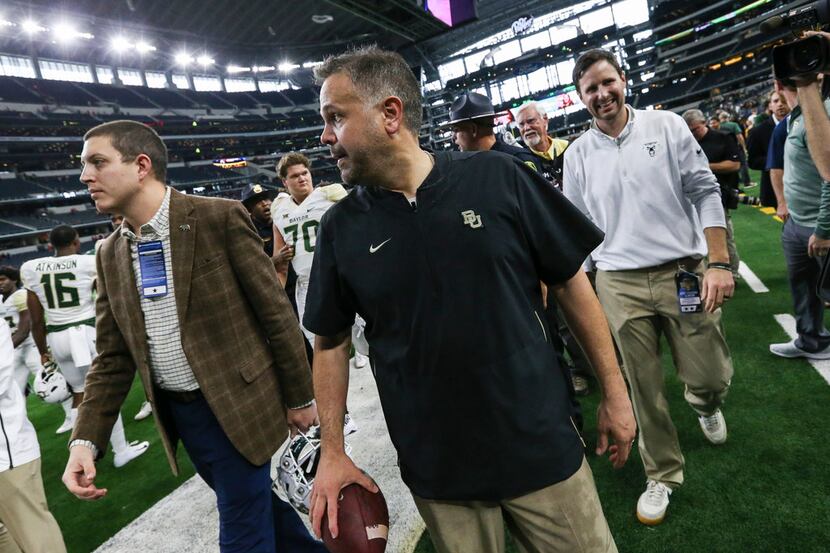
470,218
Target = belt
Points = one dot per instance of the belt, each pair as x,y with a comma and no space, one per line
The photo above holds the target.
180,397
686,263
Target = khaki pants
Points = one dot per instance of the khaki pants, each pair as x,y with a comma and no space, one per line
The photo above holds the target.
7,543
23,511
563,518
640,306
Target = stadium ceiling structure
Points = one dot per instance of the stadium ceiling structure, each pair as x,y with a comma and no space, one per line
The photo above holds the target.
261,32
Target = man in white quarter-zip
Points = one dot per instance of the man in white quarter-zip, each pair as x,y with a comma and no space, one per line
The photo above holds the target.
645,182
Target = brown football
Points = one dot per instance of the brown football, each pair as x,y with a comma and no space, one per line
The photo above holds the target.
363,521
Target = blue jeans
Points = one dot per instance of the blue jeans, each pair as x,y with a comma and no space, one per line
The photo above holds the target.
251,518
803,272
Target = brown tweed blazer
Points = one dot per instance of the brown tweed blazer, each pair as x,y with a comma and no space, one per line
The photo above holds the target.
238,331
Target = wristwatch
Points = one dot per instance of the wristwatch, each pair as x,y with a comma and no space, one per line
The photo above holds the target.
85,443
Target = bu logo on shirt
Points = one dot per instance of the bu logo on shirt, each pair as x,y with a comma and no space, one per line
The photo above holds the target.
651,148
470,218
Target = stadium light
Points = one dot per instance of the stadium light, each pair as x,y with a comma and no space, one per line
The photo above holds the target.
287,67
263,68
310,64
238,69
183,59
30,27
64,32
205,60
119,44
144,47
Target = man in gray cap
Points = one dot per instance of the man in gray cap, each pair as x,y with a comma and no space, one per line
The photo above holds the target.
471,121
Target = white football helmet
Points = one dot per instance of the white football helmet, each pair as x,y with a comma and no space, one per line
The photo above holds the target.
50,385
298,466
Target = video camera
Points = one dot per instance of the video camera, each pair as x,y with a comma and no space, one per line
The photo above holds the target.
807,56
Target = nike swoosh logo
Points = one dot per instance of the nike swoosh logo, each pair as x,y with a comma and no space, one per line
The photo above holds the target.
373,249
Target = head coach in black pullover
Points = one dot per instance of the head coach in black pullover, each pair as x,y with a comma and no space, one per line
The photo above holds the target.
442,255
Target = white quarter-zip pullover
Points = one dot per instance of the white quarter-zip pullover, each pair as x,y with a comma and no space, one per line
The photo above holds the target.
650,190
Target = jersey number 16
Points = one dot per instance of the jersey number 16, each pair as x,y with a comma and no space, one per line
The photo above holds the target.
57,293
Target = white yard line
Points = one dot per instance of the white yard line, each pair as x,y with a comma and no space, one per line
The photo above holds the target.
751,279
787,322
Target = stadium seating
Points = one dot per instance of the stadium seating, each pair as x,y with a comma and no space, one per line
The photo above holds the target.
239,99
276,99
300,96
61,93
38,221
167,98
12,189
18,259
122,96
61,184
199,174
80,217
10,228
12,90
205,99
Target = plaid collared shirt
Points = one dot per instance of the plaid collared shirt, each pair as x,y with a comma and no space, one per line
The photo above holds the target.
168,363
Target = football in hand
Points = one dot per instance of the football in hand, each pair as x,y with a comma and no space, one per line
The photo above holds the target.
363,521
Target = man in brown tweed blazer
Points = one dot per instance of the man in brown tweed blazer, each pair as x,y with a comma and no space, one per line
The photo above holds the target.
188,299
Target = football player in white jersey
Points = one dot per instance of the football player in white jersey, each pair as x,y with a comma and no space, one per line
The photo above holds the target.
62,308
26,357
296,217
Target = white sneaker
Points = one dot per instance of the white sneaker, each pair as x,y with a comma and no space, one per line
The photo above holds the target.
790,351
652,505
360,360
135,449
68,424
145,411
714,427
349,426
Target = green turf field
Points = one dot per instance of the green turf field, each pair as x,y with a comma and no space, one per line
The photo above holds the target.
132,489
764,491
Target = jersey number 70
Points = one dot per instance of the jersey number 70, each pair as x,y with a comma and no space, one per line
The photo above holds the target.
309,230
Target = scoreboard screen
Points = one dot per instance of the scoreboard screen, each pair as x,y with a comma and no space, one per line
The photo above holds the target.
451,12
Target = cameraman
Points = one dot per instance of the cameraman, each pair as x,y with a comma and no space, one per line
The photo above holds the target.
806,234
724,157
815,111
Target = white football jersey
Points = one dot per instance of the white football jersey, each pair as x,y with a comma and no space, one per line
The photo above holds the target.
298,223
63,285
10,310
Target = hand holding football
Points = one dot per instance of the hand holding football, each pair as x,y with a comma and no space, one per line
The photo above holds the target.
363,521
